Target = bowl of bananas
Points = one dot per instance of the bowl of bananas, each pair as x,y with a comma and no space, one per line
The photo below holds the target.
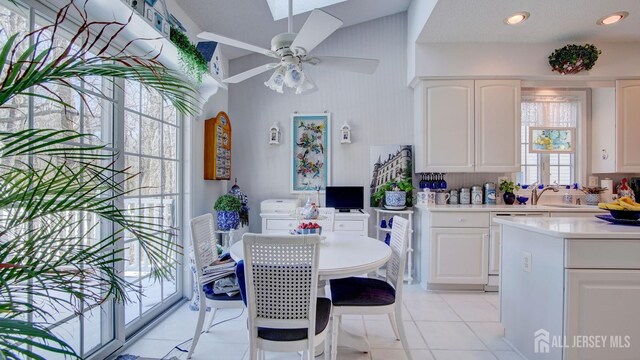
624,208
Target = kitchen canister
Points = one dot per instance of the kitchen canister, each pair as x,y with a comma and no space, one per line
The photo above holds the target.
465,196
453,196
476,195
490,193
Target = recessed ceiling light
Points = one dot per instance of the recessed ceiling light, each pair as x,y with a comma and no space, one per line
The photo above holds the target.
612,18
516,18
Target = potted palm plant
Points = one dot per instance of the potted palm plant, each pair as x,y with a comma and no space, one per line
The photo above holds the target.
227,209
50,187
508,189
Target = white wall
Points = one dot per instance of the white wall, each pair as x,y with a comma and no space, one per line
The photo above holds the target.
523,60
378,108
205,192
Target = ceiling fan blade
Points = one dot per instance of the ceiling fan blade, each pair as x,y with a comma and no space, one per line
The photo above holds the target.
319,26
235,43
359,65
250,73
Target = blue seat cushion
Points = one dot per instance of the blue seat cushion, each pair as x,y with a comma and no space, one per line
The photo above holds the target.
323,312
208,292
355,291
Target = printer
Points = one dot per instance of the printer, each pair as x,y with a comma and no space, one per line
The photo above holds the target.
279,206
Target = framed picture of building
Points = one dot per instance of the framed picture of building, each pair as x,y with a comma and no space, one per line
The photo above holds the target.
310,152
389,166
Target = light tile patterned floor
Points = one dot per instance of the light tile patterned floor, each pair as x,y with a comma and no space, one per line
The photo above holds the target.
439,325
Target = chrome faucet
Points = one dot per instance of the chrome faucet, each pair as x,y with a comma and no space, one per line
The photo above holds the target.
535,196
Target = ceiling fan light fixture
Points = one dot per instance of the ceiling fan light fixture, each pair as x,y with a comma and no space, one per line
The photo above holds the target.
612,18
294,76
276,81
307,86
517,18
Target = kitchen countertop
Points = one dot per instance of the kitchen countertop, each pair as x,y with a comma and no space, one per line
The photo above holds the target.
511,208
573,228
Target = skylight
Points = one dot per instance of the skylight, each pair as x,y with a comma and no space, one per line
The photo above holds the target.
280,8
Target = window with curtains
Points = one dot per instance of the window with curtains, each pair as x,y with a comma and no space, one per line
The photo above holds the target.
552,109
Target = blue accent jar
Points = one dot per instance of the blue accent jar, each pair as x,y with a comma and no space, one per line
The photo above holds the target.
228,220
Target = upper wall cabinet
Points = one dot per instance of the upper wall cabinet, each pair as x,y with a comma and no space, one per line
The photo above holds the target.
467,126
628,125
497,127
444,131
615,121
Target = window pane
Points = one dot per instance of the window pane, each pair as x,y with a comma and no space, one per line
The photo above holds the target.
151,137
132,163
151,103
53,115
132,95
170,143
131,132
169,113
170,177
150,179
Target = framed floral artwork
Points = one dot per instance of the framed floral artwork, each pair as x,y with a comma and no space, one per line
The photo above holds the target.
552,139
310,152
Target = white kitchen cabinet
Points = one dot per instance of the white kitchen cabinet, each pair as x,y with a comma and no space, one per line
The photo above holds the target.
497,125
444,132
587,291
627,125
459,255
354,223
603,130
467,126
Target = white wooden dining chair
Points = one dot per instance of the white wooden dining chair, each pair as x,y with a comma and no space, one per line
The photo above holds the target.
204,253
281,279
367,296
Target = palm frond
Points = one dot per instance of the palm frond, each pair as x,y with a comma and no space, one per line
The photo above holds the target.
48,211
35,67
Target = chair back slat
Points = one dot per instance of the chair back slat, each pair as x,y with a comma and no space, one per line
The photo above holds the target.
204,251
281,279
398,244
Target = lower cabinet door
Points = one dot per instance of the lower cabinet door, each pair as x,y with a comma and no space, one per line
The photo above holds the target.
459,255
602,314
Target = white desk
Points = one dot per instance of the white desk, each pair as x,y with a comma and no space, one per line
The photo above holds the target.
343,255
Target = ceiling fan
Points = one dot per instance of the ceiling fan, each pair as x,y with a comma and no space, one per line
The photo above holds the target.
293,51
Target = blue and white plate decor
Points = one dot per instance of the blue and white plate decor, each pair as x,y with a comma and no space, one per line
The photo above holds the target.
395,200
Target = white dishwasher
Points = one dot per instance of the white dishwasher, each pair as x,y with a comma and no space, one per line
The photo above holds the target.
494,246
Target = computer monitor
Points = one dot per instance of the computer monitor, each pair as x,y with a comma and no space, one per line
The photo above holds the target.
345,198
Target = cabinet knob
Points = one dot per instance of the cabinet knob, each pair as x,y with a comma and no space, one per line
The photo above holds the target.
461,219
605,154
341,225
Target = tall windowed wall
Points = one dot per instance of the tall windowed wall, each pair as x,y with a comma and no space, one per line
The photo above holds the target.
145,131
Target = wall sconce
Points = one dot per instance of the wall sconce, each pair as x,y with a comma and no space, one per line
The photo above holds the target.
274,134
345,134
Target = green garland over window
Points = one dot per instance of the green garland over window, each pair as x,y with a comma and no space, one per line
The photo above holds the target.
191,60
573,58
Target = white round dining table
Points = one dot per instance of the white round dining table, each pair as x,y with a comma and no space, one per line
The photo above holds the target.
341,255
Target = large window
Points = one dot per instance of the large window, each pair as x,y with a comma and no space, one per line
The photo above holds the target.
552,109
145,131
151,129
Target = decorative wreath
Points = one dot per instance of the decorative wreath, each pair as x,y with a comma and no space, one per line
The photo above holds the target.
571,59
